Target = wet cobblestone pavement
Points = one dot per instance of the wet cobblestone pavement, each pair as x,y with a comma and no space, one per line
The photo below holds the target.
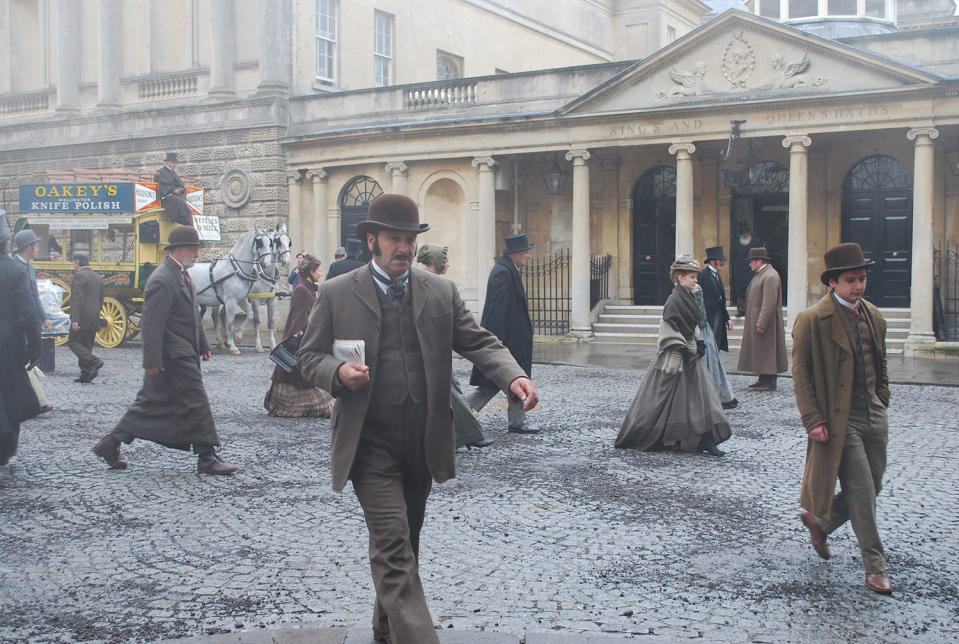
553,533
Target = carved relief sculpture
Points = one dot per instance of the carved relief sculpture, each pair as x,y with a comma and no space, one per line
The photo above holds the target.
793,74
739,60
690,83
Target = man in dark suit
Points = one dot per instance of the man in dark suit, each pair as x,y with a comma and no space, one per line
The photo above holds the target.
714,296
173,192
171,408
392,433
350,262
26,245
506,315
86,300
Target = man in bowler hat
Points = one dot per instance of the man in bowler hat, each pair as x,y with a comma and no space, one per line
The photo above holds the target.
86,300
391,425
171,407
172,192
842,391
764,334
506,315
350,261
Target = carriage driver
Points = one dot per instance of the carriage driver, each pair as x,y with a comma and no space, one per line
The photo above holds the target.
172,407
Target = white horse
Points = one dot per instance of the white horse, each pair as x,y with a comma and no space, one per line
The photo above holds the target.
265,288
228,281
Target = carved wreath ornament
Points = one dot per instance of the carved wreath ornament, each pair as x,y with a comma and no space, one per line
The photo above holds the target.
739,61
235,188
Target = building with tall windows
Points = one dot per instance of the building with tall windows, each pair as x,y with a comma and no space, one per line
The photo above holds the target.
633,128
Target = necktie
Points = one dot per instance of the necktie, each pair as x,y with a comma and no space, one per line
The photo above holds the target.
186,278
395,289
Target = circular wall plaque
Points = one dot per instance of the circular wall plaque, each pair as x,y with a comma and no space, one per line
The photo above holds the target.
236,188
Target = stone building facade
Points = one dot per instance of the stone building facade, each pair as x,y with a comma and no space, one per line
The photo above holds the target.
848,126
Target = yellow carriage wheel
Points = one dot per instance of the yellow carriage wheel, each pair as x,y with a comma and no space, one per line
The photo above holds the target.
60,340
115,330
133,324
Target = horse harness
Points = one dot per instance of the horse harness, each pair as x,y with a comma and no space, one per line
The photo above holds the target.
237,271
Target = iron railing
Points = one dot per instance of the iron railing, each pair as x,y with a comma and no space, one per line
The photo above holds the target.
548,293
599,278
946,292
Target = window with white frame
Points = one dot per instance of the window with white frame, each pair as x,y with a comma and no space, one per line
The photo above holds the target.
326,40
382,48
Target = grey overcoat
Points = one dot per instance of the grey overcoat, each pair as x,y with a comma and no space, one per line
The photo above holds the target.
348,308
86,299
766,353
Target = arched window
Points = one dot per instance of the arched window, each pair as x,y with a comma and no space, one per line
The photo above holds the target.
878,172
658,183
354,202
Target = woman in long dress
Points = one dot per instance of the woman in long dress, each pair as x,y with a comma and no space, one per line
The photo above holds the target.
290,394
677,405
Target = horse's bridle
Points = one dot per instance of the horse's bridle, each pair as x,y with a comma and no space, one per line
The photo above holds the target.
277,257
238,270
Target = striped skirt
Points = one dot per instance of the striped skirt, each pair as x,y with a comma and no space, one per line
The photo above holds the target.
286,401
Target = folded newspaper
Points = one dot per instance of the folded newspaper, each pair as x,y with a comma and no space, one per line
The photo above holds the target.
350,350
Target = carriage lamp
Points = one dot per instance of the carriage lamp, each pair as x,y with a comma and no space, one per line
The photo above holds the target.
555,177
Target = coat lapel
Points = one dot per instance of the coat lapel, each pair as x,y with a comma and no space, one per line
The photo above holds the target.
364,288
419,294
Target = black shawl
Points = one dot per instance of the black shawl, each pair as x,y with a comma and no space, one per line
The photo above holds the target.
682,312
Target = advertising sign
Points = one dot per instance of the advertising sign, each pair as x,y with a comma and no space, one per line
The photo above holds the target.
194,199
208,227
86,197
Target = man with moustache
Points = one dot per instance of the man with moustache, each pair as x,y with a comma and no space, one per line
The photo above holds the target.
842,391
171,408
392,434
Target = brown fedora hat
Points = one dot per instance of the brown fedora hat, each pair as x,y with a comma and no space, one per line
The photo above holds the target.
842,258
183,236
392,212
759,253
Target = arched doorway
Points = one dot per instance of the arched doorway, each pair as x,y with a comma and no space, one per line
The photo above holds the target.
760,217
877,214
654,234
354,202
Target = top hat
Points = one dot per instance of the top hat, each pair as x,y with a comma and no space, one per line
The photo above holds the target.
339,252
23,239
171,156
4,231
517,243
183,236
759,253
685,263
716,252
392,212
742,227
354,247
842,258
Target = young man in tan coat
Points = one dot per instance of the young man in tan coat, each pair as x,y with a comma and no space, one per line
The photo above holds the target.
842,391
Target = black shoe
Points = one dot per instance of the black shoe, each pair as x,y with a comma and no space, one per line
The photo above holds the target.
524,429
486,442
84,378
211,463
93,372
732,404
46,409
708,446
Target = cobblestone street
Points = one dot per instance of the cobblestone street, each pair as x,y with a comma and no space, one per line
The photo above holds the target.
557,532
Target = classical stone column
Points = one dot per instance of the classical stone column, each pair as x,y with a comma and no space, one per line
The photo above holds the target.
579,325
485,225
798,278
319,241
222,49
334,220
109,55
399,172
276,64
68,56
920,297
684,196
295,217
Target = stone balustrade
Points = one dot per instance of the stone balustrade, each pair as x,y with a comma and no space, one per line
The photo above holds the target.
167,85
26,103
439,94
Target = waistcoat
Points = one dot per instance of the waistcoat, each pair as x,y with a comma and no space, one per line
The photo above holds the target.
399,363
863,342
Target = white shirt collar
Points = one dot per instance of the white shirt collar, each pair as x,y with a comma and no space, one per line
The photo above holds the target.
713,269
379,270
762,267
177,262
852,306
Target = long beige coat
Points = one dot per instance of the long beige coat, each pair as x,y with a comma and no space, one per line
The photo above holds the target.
822,377
766,353
347,308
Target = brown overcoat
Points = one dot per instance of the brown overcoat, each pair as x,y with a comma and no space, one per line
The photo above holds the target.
822,378
766,353
86,299
348,308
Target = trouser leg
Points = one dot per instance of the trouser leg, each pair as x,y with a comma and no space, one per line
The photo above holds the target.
481,396
392,483
81,343
860,477
514,412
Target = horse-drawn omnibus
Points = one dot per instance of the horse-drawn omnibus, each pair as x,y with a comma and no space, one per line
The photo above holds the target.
119,225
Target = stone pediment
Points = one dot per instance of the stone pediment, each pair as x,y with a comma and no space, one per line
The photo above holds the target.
740,57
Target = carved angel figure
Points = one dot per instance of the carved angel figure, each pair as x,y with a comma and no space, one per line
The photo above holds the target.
792,73
690,83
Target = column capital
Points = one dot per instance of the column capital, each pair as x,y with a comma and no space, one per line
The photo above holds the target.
796,141
484,164
293,177
317,175
578,157
916,132
682,146
396,167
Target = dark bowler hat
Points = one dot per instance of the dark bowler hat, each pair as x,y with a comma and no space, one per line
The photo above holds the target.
354,247
23,239
171,156
517,243
842,258
716,252
183,236
392,212
759,253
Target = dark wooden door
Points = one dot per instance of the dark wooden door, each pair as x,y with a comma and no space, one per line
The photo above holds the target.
354,203
654,235
877,214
